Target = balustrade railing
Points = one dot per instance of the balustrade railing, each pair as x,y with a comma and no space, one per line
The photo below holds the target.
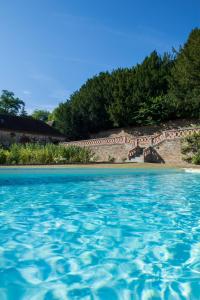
142,141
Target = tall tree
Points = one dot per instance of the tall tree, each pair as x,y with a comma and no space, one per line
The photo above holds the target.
122,86
151,87
9,104
185,83
138,91
62,117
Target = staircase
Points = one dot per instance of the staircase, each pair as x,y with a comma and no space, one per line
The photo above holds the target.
136,155
137,159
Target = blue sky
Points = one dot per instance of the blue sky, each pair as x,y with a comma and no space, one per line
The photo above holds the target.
50,47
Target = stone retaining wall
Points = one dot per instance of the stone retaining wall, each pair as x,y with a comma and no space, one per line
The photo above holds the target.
166,145
170,151
116,153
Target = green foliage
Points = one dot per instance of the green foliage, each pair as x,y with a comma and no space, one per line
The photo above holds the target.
122,98
86,110
2,156
11,105
190,148
41,115
62,117
157,110
159,89
185,81
44,154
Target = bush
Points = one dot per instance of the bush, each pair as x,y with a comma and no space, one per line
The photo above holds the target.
190,148
44,154
2,156
196,159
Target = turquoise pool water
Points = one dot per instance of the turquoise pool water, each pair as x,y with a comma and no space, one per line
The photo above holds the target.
99,234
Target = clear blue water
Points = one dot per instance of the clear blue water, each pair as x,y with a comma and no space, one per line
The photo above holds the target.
99,234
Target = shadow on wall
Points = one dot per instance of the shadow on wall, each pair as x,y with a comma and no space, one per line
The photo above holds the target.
152,156
137,151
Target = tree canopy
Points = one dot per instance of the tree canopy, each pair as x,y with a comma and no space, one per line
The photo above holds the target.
9,104
185,80
40,114
124,97
161,88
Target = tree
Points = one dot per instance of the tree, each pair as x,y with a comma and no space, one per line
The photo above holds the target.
41,115
185,82
122,87
62,118
86,109
124,97
89,105
161,88
151,84
138,91
11,105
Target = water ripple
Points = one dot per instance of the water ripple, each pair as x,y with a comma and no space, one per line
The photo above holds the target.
131,236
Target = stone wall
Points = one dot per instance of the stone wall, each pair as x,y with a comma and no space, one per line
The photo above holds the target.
164,147
116,153
170,151
9,137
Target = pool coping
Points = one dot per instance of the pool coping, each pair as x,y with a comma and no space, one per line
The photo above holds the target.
106,166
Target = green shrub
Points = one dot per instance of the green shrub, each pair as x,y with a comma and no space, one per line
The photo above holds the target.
2,156
45,154
190,148
196,158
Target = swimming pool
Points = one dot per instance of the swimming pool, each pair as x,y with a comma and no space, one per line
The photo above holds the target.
99,234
